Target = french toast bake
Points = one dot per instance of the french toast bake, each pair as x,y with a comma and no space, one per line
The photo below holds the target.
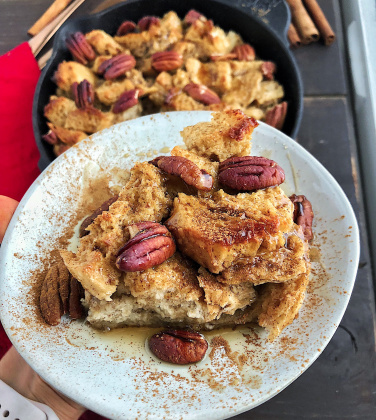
179,247
158,64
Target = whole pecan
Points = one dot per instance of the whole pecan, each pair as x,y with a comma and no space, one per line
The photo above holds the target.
166,60
244,52
79,47
117,66
145,22
268,69
188,171
303,214
126,27
250,173
201,93
151,246
178,346
60,294
127,99
90,219
192,16
83,94
277,115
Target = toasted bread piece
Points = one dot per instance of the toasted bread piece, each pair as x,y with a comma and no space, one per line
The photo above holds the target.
129,114
279,303
277,266
244,89
186,49
166,34
180,79
215,75
97,274
182,102
227,134
270,92
208,38
110,91
253,111
58,108
90,120
220,231
67,136
69,72
138,43
95,258
224,299
103,43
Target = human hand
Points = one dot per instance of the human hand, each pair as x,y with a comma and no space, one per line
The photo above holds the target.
7,208
15,372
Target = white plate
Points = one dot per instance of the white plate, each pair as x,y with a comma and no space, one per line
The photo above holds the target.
114,374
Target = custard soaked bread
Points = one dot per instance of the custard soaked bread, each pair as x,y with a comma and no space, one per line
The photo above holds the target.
179,247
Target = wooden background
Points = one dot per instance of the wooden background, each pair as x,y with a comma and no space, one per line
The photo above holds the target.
341,384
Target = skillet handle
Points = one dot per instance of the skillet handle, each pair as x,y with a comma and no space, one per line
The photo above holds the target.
275,13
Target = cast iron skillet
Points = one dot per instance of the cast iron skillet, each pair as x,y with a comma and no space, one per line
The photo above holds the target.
269,41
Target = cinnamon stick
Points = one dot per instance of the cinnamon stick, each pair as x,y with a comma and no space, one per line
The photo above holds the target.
48,16
302,22
293,37
320,21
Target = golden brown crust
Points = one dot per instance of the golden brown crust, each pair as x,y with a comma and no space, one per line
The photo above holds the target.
231,139
103,43
58,109
89,120
277,266
219,231
67,136
69,72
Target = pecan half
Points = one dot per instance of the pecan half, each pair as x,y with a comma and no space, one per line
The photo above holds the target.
244,52
145,22
166,60
201,93
83,94
90,219
50,137
117,66
188,171
268,69
80,48
126,27
303,214
192,16
223,57
127,99
180,347
60,294
277,115
250,173
151,246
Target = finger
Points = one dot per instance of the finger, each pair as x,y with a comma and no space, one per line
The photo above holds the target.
7,208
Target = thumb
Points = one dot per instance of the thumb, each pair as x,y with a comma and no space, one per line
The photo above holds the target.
7,208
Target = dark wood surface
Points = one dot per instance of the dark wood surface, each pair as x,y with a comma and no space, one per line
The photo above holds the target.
341,384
